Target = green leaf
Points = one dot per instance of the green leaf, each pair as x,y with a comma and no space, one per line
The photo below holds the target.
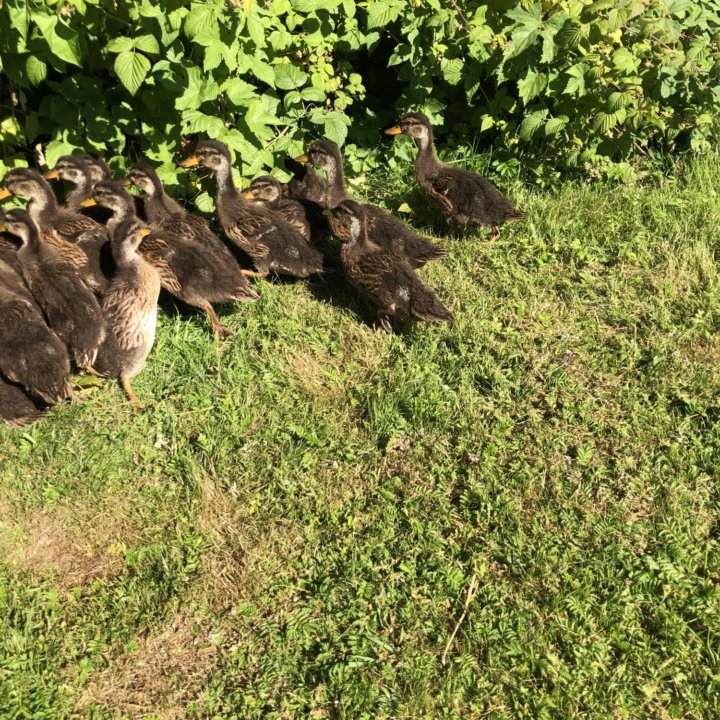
197,90
604,122
289,77
336,127
62,40
262,71
36,69
256,30
238,92
131,69
452,70
532,123
198,122
382,13
148,44
205,203
312,94
576,83
532,85
120,44
55,149
625,61
201,17
555,125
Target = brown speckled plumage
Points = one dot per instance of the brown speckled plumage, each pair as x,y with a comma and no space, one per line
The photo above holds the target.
464,197
70,307
267,191
31,355
389,281
130,306
77,238
385,229
272,243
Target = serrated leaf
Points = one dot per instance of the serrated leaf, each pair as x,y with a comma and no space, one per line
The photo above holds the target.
313,94
198,122
120,44
148,44
62,40
555,125
239,92
36,70
381,13
262,71
532,123
336,127
256,30
201,17
198,90
131,69
604,122
289,77
532,85
205,203
452,70
55,149
576,83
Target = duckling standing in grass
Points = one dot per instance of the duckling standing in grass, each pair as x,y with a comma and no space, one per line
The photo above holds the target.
386,230
267,191
77,238
130,306
193,264
464,197
31,354
387,280
273,244
71,308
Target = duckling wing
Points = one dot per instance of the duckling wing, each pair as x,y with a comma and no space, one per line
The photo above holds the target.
16,408
158,252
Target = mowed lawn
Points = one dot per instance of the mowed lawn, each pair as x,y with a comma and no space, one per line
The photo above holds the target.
515,516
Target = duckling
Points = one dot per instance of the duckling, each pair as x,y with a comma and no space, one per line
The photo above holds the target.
31,354
306,185
71,308
465,198
8,249
386,279
130,305
271,242
16,406
267,191
84,175
386,230
77,238
193,264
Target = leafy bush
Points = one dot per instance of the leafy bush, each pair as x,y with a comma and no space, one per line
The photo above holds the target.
558,82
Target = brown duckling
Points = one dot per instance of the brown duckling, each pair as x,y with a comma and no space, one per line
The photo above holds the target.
464,197
83,174
306,185
386,230
268,192
8,249
16,406
271,242
31,354
77,238
130,305
181,247
70,307
386,279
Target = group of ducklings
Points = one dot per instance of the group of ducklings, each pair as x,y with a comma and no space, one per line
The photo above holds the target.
79,282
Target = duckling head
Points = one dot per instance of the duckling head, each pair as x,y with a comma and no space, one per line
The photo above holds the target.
25,183
146,179
113,196
71,168
127,236
211,154
415,125
347,221
96,166
323,154
19,223
266,189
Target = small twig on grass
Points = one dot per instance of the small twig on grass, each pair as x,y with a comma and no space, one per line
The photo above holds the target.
472,589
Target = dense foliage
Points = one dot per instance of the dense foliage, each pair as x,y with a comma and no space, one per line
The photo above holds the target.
569,82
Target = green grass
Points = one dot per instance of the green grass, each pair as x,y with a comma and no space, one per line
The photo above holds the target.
292,529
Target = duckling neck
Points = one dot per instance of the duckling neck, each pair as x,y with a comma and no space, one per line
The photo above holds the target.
80,192
125,256
225,183
159,204
125,212
42,204
30,242
426,163
336,190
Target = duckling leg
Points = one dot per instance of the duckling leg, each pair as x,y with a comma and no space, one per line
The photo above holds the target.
90,370
453,226
495,233
252,273
125,381
384,320
220,330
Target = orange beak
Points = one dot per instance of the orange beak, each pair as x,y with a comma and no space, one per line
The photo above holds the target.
302,159
51,175
88,203
249,195
191,161
4,193
397,130
144,232
125,182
